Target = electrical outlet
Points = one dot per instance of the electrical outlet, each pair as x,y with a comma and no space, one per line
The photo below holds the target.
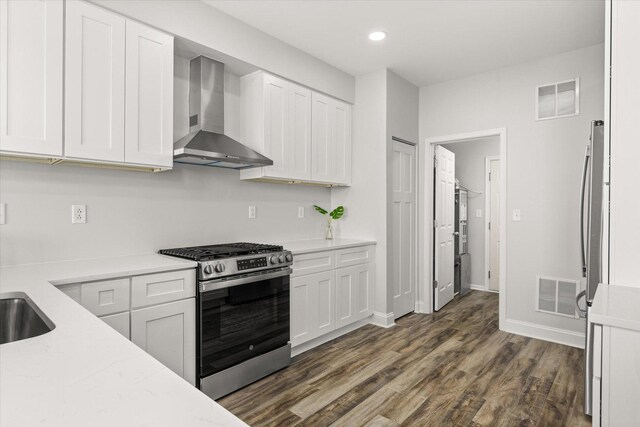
78,214
3,213
516,214
478,213
252,212
300,211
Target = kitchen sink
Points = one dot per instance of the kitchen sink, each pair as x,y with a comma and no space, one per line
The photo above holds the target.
21,318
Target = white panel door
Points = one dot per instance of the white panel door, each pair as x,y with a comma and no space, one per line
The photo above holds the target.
403,223
322,168
444,226
31,64
494,231
276,122
94,83
299,139
341,130
312,306
149,96
168,333
354,297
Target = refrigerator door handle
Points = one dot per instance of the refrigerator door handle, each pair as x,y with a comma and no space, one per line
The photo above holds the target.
582,313
583,188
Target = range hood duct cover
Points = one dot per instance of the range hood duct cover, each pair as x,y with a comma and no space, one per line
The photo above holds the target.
206,144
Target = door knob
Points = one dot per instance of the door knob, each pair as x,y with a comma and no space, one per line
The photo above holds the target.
456,233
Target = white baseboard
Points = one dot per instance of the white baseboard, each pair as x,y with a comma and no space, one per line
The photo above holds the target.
384,320
421,307
477,287
546,333
328,337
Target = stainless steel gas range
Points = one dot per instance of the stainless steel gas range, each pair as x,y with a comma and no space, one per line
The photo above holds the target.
242,313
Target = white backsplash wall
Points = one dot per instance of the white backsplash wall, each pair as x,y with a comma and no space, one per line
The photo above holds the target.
138,212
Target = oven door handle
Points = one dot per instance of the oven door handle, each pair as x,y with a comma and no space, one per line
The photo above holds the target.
213,285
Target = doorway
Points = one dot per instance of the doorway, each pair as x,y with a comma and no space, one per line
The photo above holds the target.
429,239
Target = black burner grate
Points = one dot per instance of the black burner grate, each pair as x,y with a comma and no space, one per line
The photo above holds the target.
226,250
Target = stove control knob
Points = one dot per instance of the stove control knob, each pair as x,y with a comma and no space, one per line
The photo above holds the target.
273,260
281,258
208,269
219,268
289,257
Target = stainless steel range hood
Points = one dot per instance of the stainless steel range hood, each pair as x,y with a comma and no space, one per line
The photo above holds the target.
206,144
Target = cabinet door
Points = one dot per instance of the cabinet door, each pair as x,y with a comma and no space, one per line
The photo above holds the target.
168,333
341,130
312,306
149,96
275,138
94,83
322,168
119,322
31,63
354,293
299,132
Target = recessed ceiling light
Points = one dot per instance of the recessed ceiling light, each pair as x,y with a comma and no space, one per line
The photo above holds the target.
376,36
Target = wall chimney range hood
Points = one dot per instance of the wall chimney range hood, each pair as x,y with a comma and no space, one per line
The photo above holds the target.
206,144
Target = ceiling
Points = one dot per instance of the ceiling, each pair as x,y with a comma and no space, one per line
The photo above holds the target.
428,41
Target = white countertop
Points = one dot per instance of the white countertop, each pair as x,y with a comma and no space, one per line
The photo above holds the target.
615,305
83,373
316,245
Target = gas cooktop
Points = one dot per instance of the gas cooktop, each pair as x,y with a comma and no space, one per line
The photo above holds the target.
225,250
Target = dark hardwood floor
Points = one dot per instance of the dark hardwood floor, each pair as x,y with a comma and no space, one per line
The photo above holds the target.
451,368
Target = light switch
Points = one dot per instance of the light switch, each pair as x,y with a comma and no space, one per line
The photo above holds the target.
3,213
516,214
478,213
252,212
300,211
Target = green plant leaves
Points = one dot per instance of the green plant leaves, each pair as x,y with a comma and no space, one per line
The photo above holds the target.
319,209
334,214
337,212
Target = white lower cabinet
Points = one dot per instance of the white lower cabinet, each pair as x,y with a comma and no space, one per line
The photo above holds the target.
324,298
353,293
168,333
119,322
616,376
312,306
156,311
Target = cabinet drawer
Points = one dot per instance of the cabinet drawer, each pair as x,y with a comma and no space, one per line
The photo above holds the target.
163,287
119,322
313,263
354,256
106,297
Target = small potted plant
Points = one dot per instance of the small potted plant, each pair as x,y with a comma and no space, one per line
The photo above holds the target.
334,214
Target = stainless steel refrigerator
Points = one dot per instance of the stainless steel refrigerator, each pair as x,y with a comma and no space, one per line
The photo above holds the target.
591,228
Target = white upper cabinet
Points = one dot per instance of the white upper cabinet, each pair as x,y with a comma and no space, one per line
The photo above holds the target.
94,83
331,140
31,77
306,134
148,96
299,132
277,123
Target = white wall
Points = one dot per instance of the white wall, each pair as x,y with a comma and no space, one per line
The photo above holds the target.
386,105
470,170
203,24
402,122
135,212
543,170
365,200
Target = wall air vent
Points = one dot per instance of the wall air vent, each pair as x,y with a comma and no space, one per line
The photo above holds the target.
557,296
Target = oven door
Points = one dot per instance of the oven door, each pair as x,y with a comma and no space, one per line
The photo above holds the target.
241,318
